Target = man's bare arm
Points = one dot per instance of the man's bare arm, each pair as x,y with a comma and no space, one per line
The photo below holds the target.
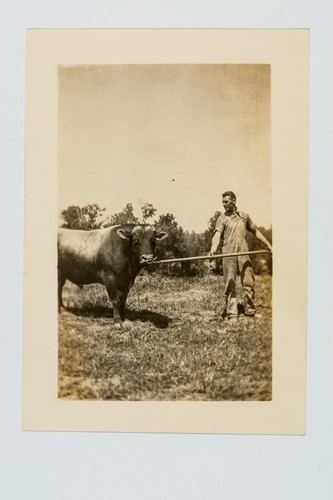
215,242
258,234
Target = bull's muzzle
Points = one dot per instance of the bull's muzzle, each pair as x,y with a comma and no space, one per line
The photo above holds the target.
147,259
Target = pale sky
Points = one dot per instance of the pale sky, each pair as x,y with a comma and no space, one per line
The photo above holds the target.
176,136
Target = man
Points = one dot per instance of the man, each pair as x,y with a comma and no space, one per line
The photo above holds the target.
232,227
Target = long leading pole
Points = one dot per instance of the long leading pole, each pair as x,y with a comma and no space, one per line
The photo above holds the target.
205,257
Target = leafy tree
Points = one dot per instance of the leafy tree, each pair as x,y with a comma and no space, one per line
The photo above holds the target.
193,244
179,244
86,217
126,216
166,220
148,211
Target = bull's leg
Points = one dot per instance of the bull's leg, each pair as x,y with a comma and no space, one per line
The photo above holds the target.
115,297
61,282
123,298
118,305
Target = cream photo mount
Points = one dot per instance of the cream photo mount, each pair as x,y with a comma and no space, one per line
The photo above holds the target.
287,53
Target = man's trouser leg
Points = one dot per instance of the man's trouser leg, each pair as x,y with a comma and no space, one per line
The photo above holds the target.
229,275
247,279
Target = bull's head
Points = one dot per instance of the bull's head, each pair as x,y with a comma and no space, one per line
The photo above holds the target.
143,240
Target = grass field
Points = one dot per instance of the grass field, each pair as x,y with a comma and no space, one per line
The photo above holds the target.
174,344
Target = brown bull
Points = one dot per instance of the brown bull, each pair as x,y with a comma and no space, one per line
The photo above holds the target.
111,256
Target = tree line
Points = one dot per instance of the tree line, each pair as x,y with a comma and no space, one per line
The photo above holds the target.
180,243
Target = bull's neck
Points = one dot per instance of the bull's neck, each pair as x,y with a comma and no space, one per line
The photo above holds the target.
135,264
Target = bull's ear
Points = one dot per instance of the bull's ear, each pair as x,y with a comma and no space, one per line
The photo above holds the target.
124,234
161,235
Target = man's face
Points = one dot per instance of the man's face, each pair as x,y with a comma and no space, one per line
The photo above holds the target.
229,204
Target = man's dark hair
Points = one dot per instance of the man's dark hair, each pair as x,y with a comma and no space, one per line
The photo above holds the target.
229,193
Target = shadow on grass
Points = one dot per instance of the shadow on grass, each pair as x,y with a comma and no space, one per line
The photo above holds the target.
96,312
145,316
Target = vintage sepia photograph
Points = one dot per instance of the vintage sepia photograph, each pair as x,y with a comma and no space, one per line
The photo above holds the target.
165,260
175,336
165,284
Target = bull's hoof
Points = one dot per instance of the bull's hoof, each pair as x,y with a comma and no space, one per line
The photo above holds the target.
121,325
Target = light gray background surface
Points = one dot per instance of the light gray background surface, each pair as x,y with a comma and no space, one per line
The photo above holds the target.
88,465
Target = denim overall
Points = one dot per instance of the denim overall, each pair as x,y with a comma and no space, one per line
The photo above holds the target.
233,233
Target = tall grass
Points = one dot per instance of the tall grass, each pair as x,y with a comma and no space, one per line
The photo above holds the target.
174,344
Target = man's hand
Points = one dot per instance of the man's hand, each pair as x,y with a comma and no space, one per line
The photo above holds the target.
210,262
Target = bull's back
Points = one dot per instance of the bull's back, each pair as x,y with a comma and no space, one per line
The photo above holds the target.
77,255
